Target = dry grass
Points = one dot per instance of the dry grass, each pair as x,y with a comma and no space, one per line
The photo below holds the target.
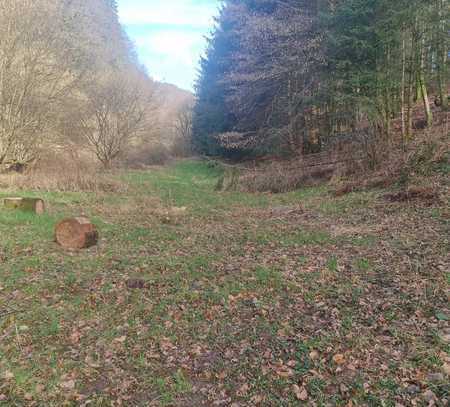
65,173
276,178
315,169
409,165
351,167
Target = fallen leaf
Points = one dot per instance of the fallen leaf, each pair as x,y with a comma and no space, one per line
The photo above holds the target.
285,372
243,390
314,355
8,375
257,399
39,388
446,368
300,392
75,337
68,385
338,359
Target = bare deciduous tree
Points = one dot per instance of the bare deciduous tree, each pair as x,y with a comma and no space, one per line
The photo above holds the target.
183,123
115,111
37,70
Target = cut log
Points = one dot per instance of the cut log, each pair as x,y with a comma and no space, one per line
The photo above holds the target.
76,233
34,205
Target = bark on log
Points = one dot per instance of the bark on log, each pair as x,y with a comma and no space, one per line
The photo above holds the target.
34,205
76,233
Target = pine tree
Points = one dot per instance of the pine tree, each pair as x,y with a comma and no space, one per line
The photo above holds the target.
211,115
287,75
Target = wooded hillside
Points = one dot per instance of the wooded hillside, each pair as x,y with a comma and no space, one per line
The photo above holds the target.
287,76
70,80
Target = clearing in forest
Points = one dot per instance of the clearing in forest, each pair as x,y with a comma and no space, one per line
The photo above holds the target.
239,300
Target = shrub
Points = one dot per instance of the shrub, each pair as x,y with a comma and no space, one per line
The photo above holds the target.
148,155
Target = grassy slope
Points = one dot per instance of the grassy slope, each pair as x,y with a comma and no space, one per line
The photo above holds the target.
339,299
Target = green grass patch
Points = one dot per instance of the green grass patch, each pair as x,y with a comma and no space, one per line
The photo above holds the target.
228,298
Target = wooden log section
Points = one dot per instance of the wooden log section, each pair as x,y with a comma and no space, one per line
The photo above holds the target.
76,233
34,205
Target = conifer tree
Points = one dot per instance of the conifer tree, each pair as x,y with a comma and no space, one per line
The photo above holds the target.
289,75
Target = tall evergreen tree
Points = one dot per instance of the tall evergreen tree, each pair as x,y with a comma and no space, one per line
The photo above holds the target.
212,115
287,75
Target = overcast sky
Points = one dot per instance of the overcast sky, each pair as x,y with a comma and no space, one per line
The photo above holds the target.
169,35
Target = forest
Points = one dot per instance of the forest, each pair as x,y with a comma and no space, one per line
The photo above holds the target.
277,237
289,76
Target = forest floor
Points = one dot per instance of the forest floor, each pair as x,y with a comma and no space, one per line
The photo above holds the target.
242,300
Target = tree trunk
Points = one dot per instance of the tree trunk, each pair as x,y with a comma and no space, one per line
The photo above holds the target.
76,233
34,205
426,101
414,66
442,56
423,89
409,103
402,90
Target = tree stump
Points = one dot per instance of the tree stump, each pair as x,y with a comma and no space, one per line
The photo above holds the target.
34,205
76,233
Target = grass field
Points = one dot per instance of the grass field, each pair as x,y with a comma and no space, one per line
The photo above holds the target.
243,300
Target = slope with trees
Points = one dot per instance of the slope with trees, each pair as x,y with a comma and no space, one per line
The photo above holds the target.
68,76
287,76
